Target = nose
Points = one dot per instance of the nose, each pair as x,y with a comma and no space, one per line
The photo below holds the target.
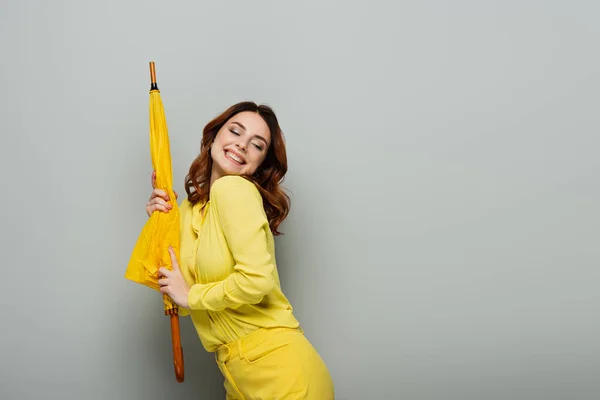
241,146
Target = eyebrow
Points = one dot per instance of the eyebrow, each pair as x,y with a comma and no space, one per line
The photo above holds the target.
244,128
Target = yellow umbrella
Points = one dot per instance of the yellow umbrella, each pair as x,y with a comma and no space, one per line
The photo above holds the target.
162,229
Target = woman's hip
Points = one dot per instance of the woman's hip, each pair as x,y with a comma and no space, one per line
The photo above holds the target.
273,363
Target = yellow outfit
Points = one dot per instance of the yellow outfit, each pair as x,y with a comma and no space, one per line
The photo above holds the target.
227,256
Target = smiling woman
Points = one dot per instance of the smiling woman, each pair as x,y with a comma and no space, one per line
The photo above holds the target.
227,278
250,133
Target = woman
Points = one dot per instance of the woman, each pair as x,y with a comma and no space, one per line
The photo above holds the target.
226,278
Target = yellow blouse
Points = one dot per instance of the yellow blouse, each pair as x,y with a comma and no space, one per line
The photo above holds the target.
227,256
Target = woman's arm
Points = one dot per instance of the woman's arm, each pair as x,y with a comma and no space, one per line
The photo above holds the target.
240,210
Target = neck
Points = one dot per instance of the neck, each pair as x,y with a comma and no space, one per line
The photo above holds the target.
214,175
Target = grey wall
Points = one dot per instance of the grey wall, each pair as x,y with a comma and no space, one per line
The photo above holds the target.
443,239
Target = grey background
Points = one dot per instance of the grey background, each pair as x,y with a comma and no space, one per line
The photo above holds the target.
443,238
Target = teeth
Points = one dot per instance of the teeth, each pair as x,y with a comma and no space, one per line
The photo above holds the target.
234,157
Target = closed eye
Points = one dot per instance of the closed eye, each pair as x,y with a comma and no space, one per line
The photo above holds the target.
257,146
234,132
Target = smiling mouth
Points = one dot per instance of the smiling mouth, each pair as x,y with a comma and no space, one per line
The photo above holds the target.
234,157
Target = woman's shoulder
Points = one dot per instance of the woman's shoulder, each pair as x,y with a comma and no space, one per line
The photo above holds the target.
233,185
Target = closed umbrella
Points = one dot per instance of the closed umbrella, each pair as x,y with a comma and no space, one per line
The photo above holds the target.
151,250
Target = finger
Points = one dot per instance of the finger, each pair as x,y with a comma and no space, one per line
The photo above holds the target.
164,272
163,281
173,259
153,179
159,193
150,209
164,289
158,204
159,201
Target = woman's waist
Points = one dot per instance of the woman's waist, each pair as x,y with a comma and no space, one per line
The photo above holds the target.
217,328
253,340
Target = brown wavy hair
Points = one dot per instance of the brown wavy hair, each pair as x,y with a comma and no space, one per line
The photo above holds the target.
268,176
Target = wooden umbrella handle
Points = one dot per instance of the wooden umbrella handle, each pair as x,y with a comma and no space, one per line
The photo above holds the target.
177,350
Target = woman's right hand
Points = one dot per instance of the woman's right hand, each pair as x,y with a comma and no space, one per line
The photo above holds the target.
159,199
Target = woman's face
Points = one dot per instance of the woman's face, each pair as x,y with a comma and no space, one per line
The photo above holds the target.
240,146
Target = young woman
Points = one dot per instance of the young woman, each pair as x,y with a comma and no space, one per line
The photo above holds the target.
226,277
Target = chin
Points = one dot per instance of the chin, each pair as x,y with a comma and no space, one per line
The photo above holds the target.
231,171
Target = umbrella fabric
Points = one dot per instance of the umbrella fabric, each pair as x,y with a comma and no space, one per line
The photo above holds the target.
162,229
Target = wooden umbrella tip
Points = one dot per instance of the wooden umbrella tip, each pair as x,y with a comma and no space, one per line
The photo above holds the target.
152,72
153,76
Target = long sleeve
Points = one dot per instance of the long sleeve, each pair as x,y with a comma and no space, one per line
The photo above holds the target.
246,228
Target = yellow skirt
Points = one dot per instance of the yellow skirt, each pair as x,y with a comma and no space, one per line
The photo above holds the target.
274,364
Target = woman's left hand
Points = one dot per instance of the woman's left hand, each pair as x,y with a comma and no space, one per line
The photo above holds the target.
173,284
